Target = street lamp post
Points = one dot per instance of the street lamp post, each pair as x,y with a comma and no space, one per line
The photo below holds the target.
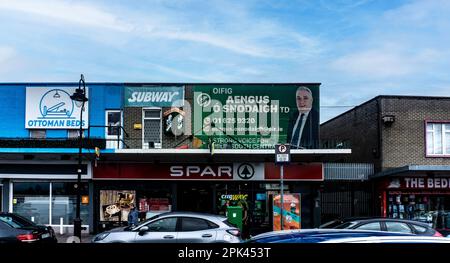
80,98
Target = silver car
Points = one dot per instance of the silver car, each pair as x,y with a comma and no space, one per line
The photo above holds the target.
175,227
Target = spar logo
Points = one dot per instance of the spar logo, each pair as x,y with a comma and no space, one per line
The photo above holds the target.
56,104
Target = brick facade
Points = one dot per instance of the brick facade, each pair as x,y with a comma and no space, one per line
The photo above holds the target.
399,144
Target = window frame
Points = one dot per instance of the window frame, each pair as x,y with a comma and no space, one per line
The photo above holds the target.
31,131
443,138
151,118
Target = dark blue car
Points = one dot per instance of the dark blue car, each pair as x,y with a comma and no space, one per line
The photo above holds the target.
316,235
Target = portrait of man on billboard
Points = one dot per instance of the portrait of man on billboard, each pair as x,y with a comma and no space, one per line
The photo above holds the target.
303,122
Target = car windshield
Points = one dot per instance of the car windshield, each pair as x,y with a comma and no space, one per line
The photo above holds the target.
15,221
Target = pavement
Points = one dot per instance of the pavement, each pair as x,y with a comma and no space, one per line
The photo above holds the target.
68,238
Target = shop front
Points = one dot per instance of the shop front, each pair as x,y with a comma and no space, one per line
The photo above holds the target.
422,198
46,193
209,188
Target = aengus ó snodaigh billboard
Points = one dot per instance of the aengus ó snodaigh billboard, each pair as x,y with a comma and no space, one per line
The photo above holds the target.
256,116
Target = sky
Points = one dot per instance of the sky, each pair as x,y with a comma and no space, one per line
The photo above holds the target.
357,49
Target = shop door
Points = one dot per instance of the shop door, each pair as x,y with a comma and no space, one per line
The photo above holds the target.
195,197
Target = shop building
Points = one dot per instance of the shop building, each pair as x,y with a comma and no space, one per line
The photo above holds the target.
407,138
39,149
161,146
206,146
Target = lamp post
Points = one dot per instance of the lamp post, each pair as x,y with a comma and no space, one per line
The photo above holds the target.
80,98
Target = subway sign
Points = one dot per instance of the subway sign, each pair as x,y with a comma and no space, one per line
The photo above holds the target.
154,96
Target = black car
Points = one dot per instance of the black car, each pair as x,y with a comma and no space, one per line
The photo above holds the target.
390,225
15,229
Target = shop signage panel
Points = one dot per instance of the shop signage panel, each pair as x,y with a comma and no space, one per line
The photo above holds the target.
291,212
164,172
236,171
295,172
248,171
52,108
256,116
154,96
419,183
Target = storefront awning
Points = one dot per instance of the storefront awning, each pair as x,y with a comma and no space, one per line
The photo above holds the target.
417,170
219,155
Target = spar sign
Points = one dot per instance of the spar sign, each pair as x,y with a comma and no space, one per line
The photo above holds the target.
52,108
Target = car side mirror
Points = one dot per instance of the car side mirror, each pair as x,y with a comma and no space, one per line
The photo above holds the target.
143,230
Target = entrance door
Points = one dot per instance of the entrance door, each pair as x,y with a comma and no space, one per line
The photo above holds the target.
195,197
113,132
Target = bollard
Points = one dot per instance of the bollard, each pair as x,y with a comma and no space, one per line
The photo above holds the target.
61,222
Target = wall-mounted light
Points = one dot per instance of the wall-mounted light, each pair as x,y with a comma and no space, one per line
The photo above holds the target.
388,119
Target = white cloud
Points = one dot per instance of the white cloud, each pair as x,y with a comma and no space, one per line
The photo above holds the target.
236,32
67,11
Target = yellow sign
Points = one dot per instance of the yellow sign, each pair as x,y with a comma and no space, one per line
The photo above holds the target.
137,126
85,199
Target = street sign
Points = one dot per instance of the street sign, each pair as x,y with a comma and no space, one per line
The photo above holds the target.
282,153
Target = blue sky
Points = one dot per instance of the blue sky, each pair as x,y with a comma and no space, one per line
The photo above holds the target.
357,49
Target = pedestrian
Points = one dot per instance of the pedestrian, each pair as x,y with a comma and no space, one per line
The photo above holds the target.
133,216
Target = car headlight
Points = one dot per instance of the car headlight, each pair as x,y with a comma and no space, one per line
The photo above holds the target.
101,237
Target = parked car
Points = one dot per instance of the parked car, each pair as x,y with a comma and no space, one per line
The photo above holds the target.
316,235
391,225
175,227
390,239
15,229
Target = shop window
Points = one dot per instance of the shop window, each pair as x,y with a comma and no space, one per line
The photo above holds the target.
64,199
438,139
32,201
398,227
163,225
74,134
38,134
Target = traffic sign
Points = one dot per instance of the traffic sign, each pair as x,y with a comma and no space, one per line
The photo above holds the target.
282,153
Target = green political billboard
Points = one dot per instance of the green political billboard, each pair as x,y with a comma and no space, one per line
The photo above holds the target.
256,116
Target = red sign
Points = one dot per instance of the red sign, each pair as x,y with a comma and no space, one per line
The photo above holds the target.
295,172
292,172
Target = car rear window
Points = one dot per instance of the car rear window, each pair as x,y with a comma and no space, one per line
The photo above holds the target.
420,229
226,222
15,221
196,224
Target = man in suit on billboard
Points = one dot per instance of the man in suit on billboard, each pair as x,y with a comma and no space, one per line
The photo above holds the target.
303,123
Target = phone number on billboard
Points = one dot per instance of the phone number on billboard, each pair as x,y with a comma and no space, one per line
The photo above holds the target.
235,120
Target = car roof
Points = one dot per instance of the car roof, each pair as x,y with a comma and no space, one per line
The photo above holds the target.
193,214
316,231
385,219
390,239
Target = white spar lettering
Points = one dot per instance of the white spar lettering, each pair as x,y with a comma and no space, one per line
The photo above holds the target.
159,96
179,171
